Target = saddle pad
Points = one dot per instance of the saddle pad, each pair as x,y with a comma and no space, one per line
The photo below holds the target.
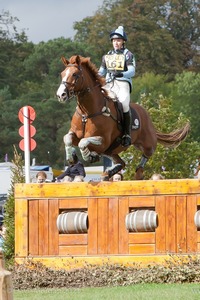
135,120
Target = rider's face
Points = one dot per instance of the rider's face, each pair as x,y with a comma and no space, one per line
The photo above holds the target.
117,43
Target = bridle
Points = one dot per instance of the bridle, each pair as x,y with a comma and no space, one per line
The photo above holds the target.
72,93
70,87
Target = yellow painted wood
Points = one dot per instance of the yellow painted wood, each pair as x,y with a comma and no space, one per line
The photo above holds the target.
73,250
170,231
33,227
123,232
73,239
107,204
113,225
142,202
21,228
198,236
191,227
142,238
93,226
161,229
181,223
76,261
105,189
73,203
142,248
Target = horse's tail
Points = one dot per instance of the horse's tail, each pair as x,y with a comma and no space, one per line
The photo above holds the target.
173,139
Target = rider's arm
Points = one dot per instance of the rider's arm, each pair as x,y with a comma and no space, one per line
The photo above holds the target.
102,70
130,72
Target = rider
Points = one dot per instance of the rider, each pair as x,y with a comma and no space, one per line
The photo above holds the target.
119,67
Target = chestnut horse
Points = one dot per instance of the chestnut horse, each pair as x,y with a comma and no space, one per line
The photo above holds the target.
96,126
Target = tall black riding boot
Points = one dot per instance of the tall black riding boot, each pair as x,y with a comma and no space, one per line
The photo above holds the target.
126,139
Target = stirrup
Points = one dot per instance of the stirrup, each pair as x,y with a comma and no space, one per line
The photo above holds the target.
126,140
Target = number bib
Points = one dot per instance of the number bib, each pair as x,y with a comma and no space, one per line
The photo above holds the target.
115,61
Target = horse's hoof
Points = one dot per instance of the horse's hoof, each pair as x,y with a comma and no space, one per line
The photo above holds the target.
94,157
105,177
113,170
139,177
126,141
139,174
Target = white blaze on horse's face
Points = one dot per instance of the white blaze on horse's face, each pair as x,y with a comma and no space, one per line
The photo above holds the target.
61,92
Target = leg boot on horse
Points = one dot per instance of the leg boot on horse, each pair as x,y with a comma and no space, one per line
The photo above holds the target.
126,139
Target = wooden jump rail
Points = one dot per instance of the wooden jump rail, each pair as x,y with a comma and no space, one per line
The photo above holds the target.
107,239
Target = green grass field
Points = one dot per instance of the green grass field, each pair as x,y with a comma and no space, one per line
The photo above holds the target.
135,292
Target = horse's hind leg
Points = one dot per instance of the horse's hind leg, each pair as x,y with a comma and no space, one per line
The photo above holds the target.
147,153
140,168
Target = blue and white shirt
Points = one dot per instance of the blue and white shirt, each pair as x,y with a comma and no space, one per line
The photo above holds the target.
122,61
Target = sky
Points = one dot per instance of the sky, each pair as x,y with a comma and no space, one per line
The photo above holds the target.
44,20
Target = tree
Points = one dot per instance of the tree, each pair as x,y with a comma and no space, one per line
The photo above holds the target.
186,92
9,215
172,163
14,48
150,84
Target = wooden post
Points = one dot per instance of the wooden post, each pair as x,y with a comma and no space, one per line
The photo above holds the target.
6,287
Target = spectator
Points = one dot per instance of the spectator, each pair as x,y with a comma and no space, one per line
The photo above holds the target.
117,177
156,176
2,235
74,172
41,177
197,169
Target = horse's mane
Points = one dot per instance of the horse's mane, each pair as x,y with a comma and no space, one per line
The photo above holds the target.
90,66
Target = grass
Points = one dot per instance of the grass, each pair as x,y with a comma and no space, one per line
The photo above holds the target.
134,292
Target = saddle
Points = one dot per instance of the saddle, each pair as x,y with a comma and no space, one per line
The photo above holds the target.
135,124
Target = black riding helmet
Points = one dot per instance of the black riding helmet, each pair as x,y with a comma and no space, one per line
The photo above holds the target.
118,33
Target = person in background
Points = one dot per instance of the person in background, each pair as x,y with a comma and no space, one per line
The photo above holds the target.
2,235
118,65
156,176
74,172
41,177
197,169
117,177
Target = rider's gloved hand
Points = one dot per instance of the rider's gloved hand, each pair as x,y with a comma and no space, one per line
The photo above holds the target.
117,74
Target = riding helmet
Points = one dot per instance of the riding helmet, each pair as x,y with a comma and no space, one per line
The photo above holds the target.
118,33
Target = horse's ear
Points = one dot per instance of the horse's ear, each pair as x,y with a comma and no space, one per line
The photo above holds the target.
86,59
64,60
78,60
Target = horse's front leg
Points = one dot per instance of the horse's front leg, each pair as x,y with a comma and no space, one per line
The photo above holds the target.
90,156
69,141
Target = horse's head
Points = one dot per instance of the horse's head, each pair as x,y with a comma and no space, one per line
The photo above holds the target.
80,75
72,78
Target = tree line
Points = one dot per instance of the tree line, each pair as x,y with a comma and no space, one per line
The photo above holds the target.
164,37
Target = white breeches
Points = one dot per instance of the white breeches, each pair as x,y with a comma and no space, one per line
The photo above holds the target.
121,90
